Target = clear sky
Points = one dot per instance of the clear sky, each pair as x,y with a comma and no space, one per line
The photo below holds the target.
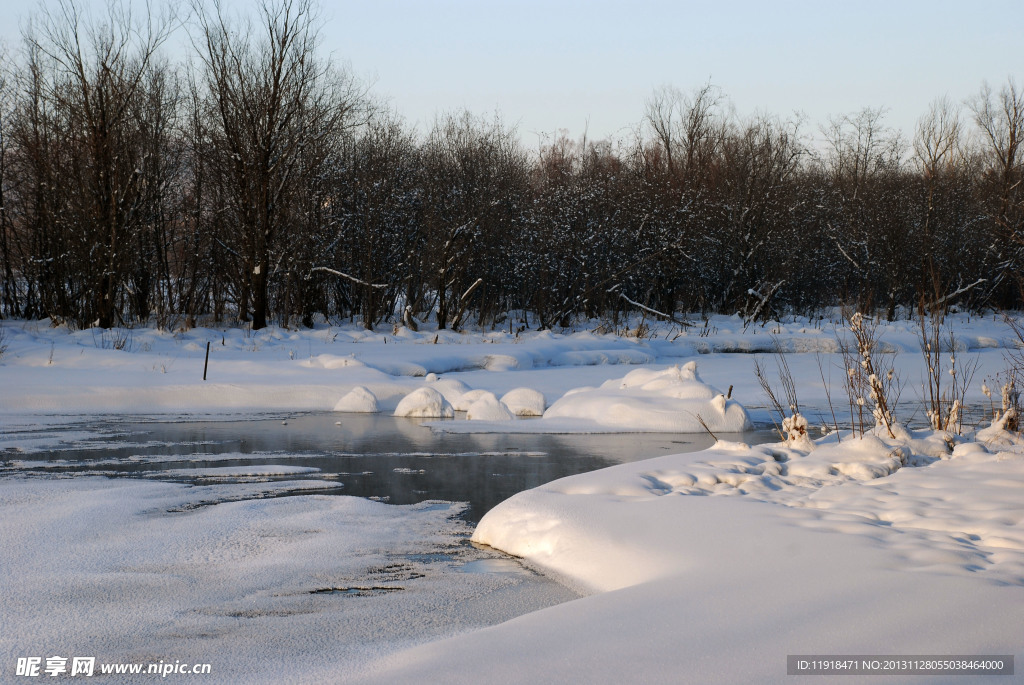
572,65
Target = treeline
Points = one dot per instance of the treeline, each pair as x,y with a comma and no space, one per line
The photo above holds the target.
258,182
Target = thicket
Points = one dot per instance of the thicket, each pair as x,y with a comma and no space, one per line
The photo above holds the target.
258,181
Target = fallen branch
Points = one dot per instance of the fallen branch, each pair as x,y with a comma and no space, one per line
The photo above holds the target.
470,289
463,301
841,250
663,315
939,302
762,303
324,269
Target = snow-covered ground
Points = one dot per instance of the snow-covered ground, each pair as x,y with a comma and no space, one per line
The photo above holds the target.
710,566
49,370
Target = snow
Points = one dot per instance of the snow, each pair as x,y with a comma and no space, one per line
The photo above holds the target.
425,403
699,567
57,370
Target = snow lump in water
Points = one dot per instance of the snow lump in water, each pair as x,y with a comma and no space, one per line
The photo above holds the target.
425,403
360,400
674,400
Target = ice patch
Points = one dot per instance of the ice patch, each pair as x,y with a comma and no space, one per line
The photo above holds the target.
237,471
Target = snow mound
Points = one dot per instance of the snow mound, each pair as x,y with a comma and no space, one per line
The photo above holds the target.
425,403
501,362
674,400
997,435
331,361
466,400
358,400
489,408
452,389
866,458
525,402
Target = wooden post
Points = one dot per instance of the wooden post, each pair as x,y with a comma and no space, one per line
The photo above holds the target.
207,362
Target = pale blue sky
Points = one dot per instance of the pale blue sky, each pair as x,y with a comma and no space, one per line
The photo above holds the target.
561,64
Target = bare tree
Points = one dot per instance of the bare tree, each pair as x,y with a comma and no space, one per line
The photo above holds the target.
937,139
377,236
90,78
688,127
272,103
758,162
474,171
859,146
1000,119
861,166
9,300
937,154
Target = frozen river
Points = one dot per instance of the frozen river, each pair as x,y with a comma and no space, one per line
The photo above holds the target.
232,542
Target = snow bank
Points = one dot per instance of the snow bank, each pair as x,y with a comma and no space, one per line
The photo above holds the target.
785,552
673,400
425,403
56,370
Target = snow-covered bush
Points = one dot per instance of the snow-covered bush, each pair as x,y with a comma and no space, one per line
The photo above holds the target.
795,428
944,398
1012,380
870,376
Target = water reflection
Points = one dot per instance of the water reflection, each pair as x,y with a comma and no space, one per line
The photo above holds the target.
382,457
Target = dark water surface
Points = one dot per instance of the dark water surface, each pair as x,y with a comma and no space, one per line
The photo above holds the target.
392,459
